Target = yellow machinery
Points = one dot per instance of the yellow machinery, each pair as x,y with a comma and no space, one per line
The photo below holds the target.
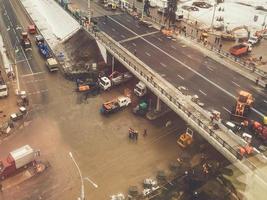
243,105
186,138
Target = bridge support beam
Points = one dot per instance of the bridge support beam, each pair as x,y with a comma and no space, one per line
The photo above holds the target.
158,106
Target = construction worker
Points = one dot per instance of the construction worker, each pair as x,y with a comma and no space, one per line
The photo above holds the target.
145,132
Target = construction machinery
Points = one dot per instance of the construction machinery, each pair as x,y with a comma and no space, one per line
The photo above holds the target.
243,105
186,138
259,129
245,150
25,41
141,108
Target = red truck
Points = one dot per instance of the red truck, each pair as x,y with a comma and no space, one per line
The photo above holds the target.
20,158
240,49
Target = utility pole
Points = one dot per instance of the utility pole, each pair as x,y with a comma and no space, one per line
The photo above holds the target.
213,16
89,11
264,22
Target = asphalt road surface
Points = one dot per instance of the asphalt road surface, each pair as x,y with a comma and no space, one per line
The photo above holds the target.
216,85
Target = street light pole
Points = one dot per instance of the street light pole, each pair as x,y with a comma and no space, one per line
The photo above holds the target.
82,197
80,174
89,11
213,16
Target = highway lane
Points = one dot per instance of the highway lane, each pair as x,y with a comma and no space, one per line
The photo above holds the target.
31,67
228,87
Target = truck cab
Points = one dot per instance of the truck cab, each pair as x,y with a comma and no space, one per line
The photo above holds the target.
140,89
51,64
104,83
123,101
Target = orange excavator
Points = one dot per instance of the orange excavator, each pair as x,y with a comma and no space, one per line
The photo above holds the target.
243,105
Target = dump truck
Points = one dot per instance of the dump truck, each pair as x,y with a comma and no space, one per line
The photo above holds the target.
240,49
25,41
52,64
3,88
186,138
140,89
115,105
141,108
242,106
20,158
116,78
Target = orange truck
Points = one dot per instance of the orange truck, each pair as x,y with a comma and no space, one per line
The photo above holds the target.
240,49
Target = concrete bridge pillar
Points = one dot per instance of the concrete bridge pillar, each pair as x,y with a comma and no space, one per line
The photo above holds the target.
158,106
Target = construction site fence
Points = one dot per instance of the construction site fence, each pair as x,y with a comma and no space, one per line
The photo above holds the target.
137,67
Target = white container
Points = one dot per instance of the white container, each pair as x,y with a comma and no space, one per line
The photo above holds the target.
23,156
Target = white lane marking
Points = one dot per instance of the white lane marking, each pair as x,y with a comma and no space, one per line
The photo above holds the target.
160,39
226,110
236,84
189,56
202,92
113,29
128,20
209,68
173,47
123,36
185,65
138,36
147,54
163,75
134,44
36,73
163,64
104,22
180,77
38,92
33,81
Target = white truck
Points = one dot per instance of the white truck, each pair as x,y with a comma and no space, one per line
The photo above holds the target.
3,88
140,89
115,105
17,159
51,64
116,78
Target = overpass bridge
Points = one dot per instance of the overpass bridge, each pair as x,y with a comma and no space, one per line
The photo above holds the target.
157,65
224,141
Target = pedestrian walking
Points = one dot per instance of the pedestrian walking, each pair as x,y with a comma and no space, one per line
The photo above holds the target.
135,52
260,58
145,132
1,187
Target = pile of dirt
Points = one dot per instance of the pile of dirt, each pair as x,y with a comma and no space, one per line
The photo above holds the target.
81,51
